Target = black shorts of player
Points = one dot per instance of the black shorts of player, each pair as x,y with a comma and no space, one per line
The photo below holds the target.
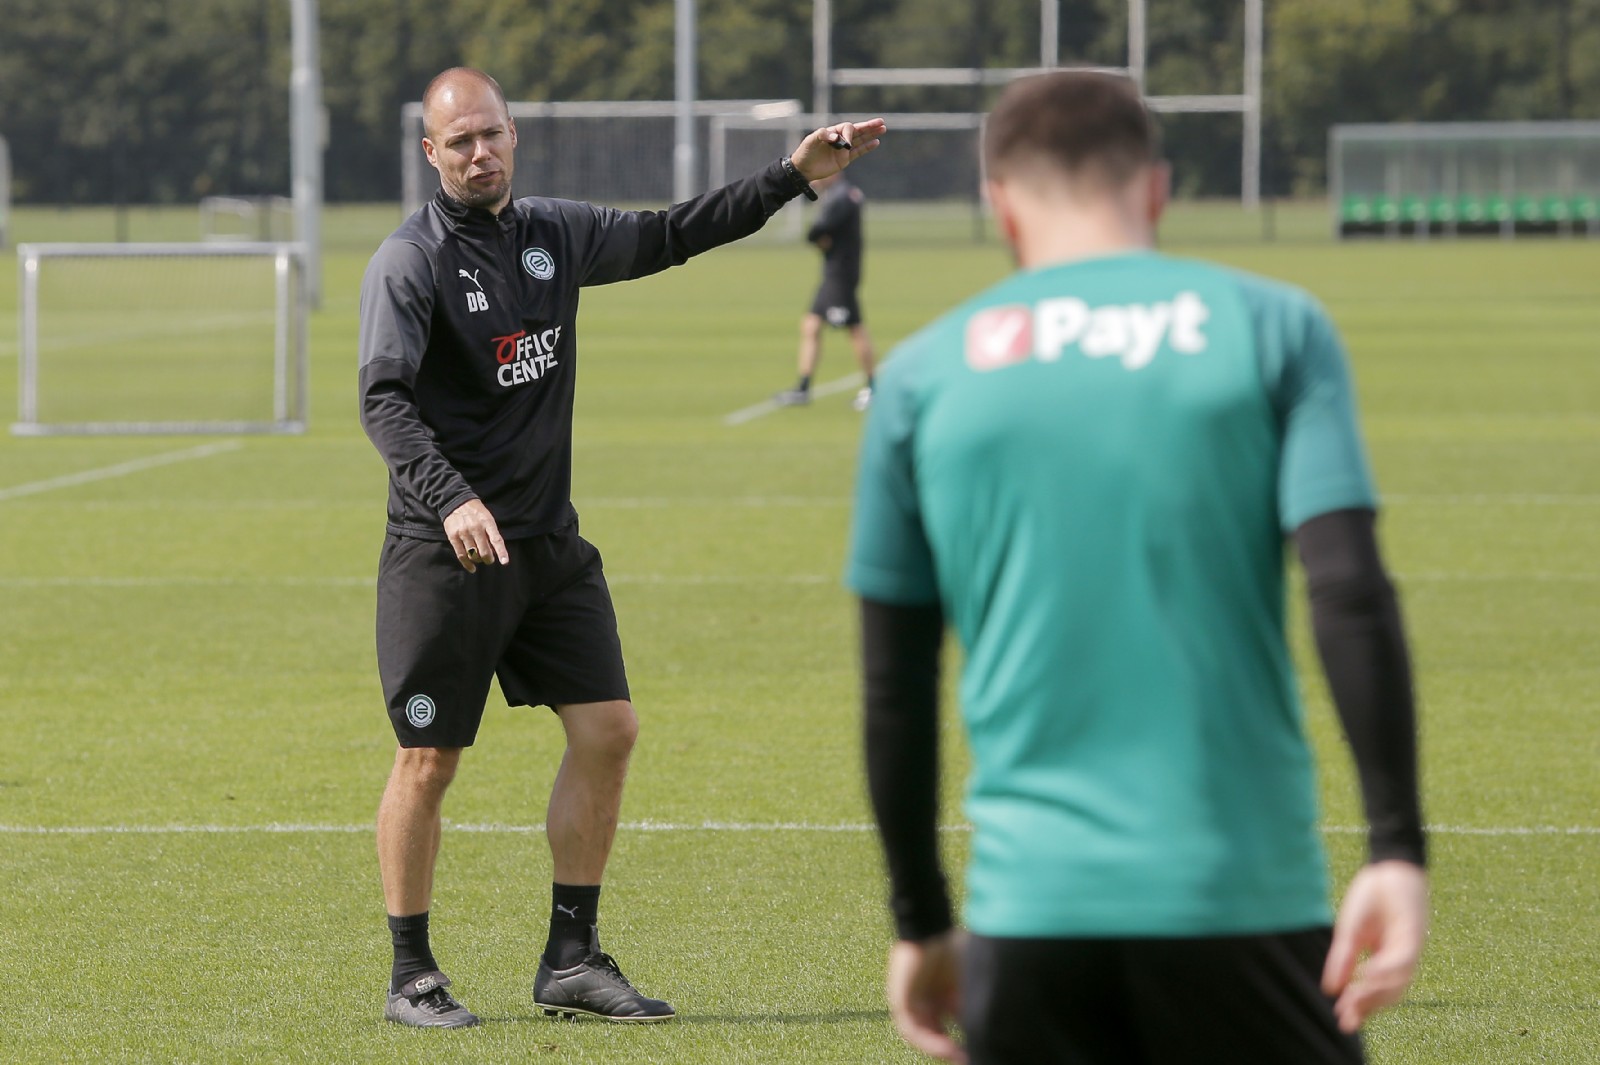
1227,1000
543,624
836,303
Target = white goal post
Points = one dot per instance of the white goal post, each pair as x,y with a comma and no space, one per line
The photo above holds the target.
826,77
162,338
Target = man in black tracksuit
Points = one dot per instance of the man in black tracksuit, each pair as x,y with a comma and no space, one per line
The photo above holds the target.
837,234
468,359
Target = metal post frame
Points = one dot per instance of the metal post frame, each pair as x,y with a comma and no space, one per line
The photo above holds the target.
1246,103
1250,166
306,139
683,152
822,72
290,341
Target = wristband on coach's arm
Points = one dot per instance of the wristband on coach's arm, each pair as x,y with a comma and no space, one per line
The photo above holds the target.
801,185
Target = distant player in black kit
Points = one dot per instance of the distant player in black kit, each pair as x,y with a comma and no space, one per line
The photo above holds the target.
837,234
468,355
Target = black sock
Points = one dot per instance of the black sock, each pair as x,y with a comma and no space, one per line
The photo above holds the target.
869,382
805,383
412,956
574,913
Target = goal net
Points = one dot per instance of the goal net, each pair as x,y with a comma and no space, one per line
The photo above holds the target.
162,338
928,186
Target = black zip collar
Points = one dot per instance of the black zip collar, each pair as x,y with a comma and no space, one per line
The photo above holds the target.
476,217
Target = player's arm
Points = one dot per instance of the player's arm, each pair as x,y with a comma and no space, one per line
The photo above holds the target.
900,660
396,309
623,245
900,648
892,569
1326,497
1355,617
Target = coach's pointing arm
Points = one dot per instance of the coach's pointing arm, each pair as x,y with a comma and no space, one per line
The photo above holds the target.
627,244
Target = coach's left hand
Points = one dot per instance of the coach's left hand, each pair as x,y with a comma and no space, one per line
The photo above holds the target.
819,155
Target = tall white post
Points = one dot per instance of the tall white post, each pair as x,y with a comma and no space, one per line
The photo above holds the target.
683,153
1250,168
1137,42
822,59
1049,33
306,140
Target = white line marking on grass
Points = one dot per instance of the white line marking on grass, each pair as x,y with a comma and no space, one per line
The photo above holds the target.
182,581
494,828
1536,577
1485,499
687,580
700,502
767,406
121,469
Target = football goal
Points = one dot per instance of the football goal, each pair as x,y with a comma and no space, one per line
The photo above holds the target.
162,338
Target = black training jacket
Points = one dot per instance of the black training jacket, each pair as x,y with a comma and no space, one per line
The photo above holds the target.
469,349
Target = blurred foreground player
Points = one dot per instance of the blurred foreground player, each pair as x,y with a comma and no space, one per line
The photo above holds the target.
837,234
1089,472
468,357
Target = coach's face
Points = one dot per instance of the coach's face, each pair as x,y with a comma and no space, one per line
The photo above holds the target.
471,141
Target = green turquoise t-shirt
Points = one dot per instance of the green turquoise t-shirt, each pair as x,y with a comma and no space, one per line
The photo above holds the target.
1092,467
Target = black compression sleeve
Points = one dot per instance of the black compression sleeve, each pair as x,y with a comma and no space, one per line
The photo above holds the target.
900,659
1355,617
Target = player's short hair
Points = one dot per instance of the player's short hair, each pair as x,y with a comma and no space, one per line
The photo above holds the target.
457,74
1083,125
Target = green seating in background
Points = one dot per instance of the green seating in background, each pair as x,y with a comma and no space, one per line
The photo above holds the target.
1476,209
1356,209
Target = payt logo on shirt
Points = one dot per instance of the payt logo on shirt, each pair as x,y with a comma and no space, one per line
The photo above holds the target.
999,336
1130,332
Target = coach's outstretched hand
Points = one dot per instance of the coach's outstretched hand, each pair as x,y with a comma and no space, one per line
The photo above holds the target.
824,154
925,992
1385,912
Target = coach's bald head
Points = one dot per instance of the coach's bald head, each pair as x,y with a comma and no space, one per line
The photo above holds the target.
470,137
451,87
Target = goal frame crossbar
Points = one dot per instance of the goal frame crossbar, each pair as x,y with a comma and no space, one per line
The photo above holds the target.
290,370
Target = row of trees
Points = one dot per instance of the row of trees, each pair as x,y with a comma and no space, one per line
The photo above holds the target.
169,100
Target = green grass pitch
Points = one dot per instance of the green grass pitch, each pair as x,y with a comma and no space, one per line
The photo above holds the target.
194,741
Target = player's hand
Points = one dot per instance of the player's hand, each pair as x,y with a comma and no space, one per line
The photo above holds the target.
824,154
1385,917
476,538
925,994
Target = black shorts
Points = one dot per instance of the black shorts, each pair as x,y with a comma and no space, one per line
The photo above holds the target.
836,303
543,624
1227,1000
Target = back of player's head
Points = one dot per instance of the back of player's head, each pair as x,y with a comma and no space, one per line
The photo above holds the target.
1089,128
